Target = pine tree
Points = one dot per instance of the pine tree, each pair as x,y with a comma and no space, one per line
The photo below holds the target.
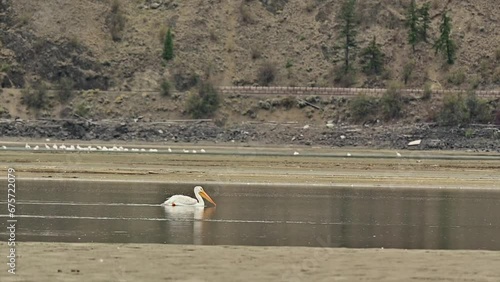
445,44
168,48
412,23
348,31
372,58
426,21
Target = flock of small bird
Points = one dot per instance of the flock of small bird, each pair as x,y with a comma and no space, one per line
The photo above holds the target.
90,148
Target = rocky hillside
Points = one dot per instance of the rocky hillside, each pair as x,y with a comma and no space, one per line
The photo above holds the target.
99,46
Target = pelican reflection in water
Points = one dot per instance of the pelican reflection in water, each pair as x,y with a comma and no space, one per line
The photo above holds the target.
186,220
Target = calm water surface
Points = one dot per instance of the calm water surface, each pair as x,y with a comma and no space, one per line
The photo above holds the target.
73,211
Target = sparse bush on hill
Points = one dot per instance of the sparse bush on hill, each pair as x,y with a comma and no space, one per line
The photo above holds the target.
266,74
427,95
165,88
64,89
205,103
116,21
246,14
363,107
35,97
456,77
479,110
184,80
453,111
82,109
392,102
408,71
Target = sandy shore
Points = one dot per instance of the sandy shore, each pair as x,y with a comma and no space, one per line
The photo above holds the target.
144,262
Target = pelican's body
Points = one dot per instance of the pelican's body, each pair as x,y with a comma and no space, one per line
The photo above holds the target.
181,200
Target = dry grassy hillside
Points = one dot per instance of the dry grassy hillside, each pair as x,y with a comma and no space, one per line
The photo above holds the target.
230,40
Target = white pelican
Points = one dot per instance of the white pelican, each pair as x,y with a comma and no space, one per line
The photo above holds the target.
36,147
181,200
296,153
4,147
398,154
169,150
54,147
185,151
202,150
27,146
349,154
47,147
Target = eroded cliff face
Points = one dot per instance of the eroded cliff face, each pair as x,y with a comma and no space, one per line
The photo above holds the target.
230,40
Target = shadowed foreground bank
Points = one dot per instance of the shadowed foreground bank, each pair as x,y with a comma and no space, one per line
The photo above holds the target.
145,262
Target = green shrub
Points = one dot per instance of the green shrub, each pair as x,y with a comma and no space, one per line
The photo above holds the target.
427,92
184,80
204,103
457,77
64,89
408,71
392,102
454,111
266,74
116,21
289,102
168,47
479,110
165,88
362,107
82,109
35,97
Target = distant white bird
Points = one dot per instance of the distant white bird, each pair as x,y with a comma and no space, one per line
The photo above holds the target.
143,150
296,153
185,151
104,148
92,148
349,154
202,150
169,150
3,147
47,147
120,148
99,147
70,148
134,150
114,148
27,146
194,151
62,147
125,149
78,147
48,140
36,147
153,150
54,147
398,154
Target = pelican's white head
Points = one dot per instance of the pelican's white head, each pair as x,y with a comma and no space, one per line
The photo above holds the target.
198,190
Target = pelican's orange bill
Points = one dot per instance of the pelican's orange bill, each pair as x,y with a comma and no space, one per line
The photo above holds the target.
205,195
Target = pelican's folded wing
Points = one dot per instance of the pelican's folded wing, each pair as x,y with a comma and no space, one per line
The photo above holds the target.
181,200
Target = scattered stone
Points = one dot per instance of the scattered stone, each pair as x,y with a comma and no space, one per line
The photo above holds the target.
306,126
330,125
342,137
415,143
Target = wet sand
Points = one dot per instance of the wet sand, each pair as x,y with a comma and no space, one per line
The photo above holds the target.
145,262
132,262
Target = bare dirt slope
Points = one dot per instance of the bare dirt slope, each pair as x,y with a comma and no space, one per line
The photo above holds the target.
230,40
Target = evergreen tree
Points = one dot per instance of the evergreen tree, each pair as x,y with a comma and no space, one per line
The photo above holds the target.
348,31
426,21
412,24
168,47
445,44
372,58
